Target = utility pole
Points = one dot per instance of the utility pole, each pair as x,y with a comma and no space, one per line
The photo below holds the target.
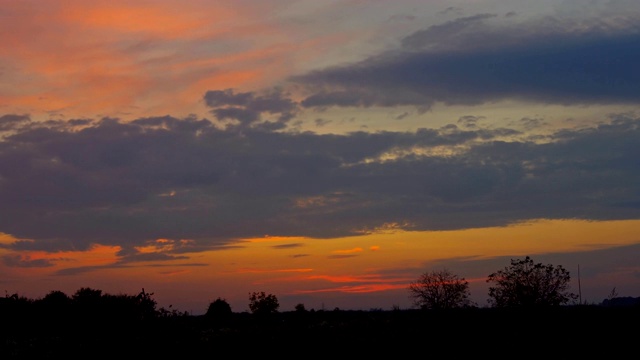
579,288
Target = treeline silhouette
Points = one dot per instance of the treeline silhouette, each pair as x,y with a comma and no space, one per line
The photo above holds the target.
93,324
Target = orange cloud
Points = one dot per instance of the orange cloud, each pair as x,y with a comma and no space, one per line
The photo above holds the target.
134,58
156,18
163,245
96,256
348,251
7,239
269,238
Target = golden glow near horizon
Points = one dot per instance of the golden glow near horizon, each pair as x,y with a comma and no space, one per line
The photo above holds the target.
297,265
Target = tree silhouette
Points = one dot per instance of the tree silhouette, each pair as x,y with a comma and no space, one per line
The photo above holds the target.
87,302
55,306
219,311
145,304
13,308
440,290
87,297
56,298
55,302
262,304
526,284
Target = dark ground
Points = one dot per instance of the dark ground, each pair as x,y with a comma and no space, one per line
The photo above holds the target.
564,332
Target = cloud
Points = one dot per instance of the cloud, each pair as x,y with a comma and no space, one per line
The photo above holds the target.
26,262
321,122
70,185
249,107
119,265
9,122
477,59
288,246
435,34
150,257
469,121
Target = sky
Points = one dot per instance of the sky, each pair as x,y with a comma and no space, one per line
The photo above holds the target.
327,152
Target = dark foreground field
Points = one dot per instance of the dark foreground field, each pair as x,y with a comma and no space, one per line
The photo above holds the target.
569,332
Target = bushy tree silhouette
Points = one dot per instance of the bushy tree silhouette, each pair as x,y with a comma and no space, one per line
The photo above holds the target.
440,290
56,298
86,297
527,284
261,303
91,303
219,311
55,306
218,307
87,303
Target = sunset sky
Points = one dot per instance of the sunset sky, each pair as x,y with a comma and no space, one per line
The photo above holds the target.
327,152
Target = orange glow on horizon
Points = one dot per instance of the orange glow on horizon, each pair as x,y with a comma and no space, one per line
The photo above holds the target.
355,289
175,272
261,264
267,271
353,278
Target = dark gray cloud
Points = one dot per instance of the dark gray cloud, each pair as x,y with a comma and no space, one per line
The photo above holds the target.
475,60
114,183
250,107
150,257
340,257
10,121
287,246
532,123
121,265
469,121
435,34
321,122
25,262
